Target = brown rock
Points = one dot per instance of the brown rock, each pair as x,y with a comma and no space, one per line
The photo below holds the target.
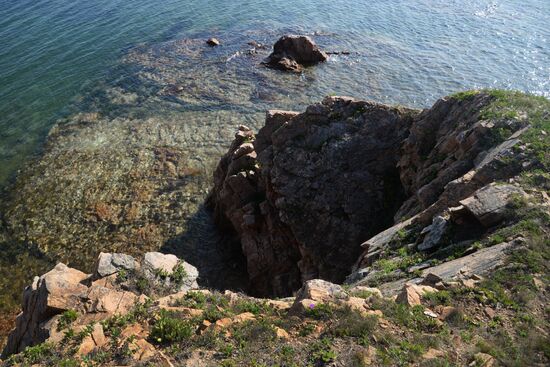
101,299
246,316
291,53
222,323
135,330
280,305
446,311
86,347
356,303
489,312
483,360
98,336
320,290
51,294
204,326
409,296
143,349
281,333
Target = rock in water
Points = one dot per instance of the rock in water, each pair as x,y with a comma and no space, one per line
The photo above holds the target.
292,53
213,42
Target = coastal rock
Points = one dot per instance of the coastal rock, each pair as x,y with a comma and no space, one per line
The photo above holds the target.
108,263
488,205
411,294
292,53
51,294
213,42
280,200
156,261
320,290
67,289
433,233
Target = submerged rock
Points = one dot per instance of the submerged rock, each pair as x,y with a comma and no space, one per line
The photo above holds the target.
292,53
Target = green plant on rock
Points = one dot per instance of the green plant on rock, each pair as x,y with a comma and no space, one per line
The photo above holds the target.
169,329
321,352
179,274
350,323
319,311
193,299
66,319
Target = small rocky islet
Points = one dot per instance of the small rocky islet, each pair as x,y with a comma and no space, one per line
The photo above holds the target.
350,234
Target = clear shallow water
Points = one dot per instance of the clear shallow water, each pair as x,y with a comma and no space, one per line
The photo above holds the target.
408,52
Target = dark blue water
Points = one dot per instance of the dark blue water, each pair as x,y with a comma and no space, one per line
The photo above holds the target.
410,52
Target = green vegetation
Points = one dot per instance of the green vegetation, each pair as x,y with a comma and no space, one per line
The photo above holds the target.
170,329
67,318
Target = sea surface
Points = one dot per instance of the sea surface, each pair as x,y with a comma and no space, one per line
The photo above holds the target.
55,53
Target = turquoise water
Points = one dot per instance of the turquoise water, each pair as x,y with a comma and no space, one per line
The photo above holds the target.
54,52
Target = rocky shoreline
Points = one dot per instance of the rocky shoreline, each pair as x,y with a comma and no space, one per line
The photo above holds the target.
303,193
377,224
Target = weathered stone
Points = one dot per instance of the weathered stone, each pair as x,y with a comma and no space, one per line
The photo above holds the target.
355,303
246,316
86,346
109,263
411,294
479,262
300,189
98,336
489,203
143,349
291,53
53,293
280,305
489,312
320,290
446,312
281,333
110,301
433,233
156,261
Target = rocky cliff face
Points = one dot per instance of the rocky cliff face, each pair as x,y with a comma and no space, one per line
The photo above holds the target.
308,189
452,201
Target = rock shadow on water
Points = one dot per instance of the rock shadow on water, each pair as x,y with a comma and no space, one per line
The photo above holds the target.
220,263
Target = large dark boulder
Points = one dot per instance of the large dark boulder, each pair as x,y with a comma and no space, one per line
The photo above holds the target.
303,193
292,53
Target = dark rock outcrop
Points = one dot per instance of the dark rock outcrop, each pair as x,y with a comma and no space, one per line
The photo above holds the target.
304,193
292,53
